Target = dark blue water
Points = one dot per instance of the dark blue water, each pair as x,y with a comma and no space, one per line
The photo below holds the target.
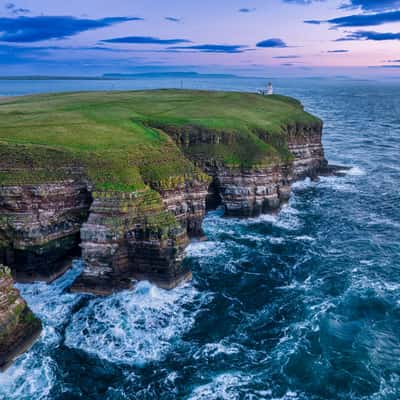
303,305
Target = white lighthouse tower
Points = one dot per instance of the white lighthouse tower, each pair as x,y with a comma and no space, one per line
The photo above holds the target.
270,89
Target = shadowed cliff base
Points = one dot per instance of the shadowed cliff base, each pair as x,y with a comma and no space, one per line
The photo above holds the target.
128,176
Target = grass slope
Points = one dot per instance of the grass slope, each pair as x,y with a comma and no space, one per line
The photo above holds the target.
119,139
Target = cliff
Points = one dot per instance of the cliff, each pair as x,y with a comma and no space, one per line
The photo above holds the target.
18,326
125,178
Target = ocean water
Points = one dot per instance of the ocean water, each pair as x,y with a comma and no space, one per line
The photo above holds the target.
301,305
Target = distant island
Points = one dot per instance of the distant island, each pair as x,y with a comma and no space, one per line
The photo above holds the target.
117,76
169,75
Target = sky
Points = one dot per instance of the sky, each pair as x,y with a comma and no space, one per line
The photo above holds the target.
247,37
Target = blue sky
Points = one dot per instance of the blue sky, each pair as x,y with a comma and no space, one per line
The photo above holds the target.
253,37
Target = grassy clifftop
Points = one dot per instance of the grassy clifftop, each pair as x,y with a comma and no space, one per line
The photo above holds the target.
119,139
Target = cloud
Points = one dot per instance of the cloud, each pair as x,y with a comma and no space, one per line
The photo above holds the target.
272,43
172,19
287,65
35,29
393,61
385,66
11,7
302,2
361,20
370,35
28,52
313,22
246,10
286,57
372,5
145,40
338,51
212,48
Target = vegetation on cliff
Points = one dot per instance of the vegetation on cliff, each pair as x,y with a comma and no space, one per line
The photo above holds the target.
121,141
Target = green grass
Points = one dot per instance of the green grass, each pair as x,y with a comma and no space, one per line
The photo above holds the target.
119,139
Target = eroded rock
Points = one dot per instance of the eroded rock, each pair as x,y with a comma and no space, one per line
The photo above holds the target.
19,328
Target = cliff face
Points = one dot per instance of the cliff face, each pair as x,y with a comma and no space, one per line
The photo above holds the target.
250,191
133,236
18,326
305,143
187,201
124,179
39,227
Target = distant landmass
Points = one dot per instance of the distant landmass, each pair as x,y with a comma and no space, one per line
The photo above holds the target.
51,78
169,75
112,76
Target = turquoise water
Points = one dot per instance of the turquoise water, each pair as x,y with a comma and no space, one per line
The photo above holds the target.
302,305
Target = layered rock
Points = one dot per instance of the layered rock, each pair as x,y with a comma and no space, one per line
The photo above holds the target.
305,143
187,201
149,201
131,236
40,227
249,191
19,328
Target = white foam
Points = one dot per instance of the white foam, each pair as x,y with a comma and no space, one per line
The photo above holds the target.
288,218
305,238
355,171
303,184
365,262
33,374
276,240
338,184
31,377
207,248
134,327
52,303
213,350
223,387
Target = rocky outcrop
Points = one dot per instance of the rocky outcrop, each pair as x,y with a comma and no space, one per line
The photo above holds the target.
187,201
19,328
305,143
142,234
131,236
40,227
251,191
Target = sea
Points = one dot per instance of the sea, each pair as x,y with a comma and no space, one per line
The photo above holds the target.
302,305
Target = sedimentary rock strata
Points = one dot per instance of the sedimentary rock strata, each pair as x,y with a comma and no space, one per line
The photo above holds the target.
39,227
250,191
142,234
131,236
129,193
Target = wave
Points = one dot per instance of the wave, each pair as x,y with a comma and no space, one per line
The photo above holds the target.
134,327
33,374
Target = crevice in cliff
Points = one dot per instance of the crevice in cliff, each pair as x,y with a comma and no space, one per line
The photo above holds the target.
214,198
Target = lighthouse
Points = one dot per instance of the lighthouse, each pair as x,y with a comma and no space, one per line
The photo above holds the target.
270,89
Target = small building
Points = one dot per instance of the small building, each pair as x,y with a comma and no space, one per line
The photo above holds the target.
270,89
268,92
